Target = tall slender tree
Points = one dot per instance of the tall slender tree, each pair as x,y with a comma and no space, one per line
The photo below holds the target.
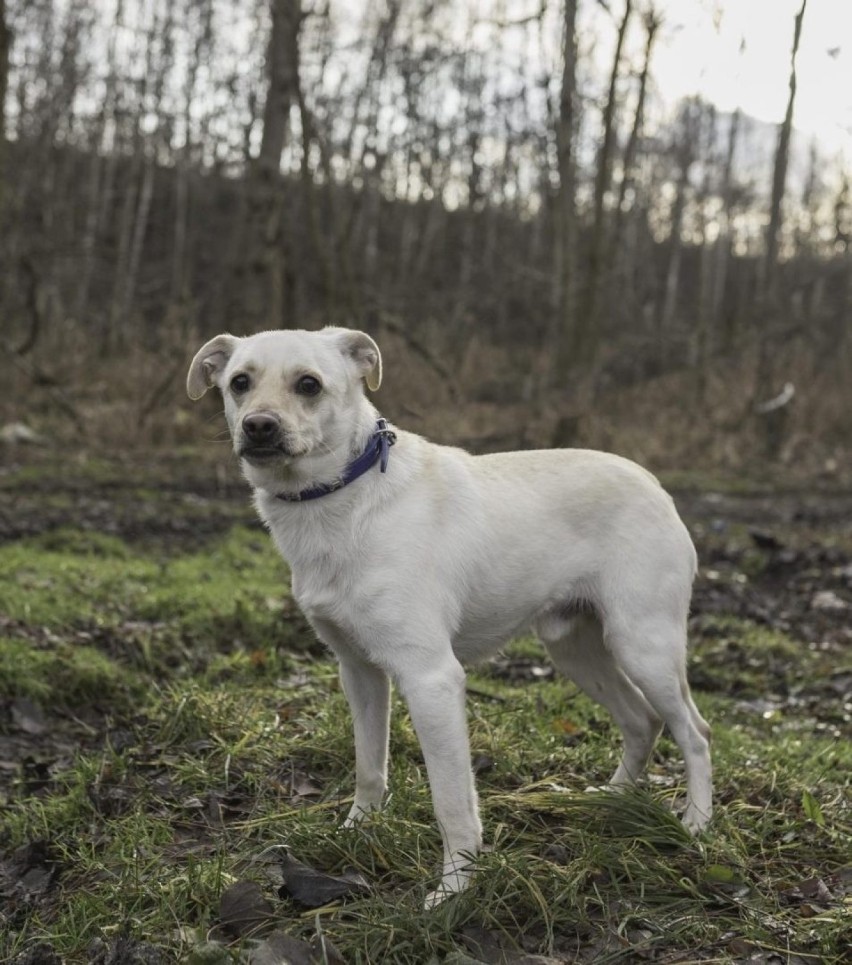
779,169
266,290
588,333
622,248
4,83
565,248
769,293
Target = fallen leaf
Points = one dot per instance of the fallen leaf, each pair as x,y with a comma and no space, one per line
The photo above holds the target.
28,717
244,910
810,890
209,953
124,950
111,800
40,954
482,763
312,888
30,872
282,949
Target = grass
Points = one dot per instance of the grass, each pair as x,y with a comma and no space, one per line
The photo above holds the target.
208,732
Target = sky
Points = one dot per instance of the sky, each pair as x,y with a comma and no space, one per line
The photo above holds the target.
734,53
701,53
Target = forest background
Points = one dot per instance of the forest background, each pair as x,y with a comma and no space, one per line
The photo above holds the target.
565,225
549,246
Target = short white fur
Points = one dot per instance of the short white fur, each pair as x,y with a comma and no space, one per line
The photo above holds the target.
447,556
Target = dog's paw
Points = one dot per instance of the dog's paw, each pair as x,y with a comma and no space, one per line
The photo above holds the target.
599,789
453,883
614,787
442,893
358,813
437,897
695,820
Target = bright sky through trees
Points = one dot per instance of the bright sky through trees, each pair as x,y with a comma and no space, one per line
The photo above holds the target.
701,53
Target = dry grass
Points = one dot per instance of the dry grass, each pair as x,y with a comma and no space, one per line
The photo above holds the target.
485,397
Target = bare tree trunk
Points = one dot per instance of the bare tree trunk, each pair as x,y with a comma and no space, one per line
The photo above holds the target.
703,343
587,345
265,282
5,43
687,149
340,238
137,220
565,325
286,15
473,124
779,172
115,321
622,248
181,228
723,241
652,25
763,381
137,240
675,253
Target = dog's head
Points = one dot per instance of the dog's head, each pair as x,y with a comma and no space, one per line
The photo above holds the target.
288,395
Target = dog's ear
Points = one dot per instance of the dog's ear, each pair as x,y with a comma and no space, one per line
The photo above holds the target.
209,359
364,351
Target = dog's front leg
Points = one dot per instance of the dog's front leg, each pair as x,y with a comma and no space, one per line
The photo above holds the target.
367,689
436,702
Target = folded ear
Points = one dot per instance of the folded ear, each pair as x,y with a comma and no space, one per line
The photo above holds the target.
209,360
365,353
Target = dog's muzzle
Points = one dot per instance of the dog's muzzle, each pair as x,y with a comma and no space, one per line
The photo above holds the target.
263,437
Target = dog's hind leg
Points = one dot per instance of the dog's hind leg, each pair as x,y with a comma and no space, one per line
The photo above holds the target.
577,649
652,653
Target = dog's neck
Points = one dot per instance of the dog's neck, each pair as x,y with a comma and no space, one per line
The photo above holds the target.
346,440
377,450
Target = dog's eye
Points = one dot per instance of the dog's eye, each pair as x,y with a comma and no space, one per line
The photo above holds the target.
240,384
308,385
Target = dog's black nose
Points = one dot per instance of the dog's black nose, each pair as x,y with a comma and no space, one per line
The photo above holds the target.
261,428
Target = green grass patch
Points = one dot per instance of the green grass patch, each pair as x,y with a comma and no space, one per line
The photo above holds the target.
63,675
224,737
226,610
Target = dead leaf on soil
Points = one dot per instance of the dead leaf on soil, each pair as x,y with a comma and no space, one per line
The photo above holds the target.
811,890
29,872
245,910
28,716
124,950
312,888
40,954
282,949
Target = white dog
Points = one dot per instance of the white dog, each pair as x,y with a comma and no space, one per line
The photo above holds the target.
409,560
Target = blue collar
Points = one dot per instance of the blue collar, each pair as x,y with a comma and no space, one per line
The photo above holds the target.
378,448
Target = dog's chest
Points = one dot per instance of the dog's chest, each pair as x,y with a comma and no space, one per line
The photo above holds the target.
321,590
323,557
